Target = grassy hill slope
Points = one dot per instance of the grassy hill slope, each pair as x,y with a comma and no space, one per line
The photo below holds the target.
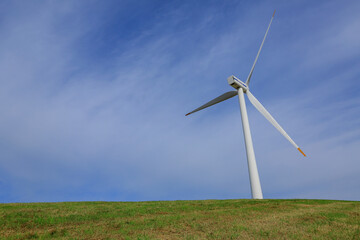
209,219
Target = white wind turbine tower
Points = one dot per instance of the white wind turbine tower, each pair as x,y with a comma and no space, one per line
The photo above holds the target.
242,88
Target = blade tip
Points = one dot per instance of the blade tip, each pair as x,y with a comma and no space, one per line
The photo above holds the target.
274,13
301,152
187,114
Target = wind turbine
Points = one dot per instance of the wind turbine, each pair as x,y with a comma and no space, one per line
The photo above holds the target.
241,89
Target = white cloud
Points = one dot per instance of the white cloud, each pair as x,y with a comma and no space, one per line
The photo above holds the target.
118,132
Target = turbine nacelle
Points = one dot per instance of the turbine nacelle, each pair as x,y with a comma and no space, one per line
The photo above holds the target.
237,83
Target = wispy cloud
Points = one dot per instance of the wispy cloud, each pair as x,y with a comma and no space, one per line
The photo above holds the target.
93,101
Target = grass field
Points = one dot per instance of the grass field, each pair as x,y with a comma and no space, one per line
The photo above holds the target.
209,219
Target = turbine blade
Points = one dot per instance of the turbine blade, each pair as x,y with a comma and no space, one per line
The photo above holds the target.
221,98
257,56
267,115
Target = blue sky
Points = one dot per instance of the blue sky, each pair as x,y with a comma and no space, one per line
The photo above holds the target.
93,97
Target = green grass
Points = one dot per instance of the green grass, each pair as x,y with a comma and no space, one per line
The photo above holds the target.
209,219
